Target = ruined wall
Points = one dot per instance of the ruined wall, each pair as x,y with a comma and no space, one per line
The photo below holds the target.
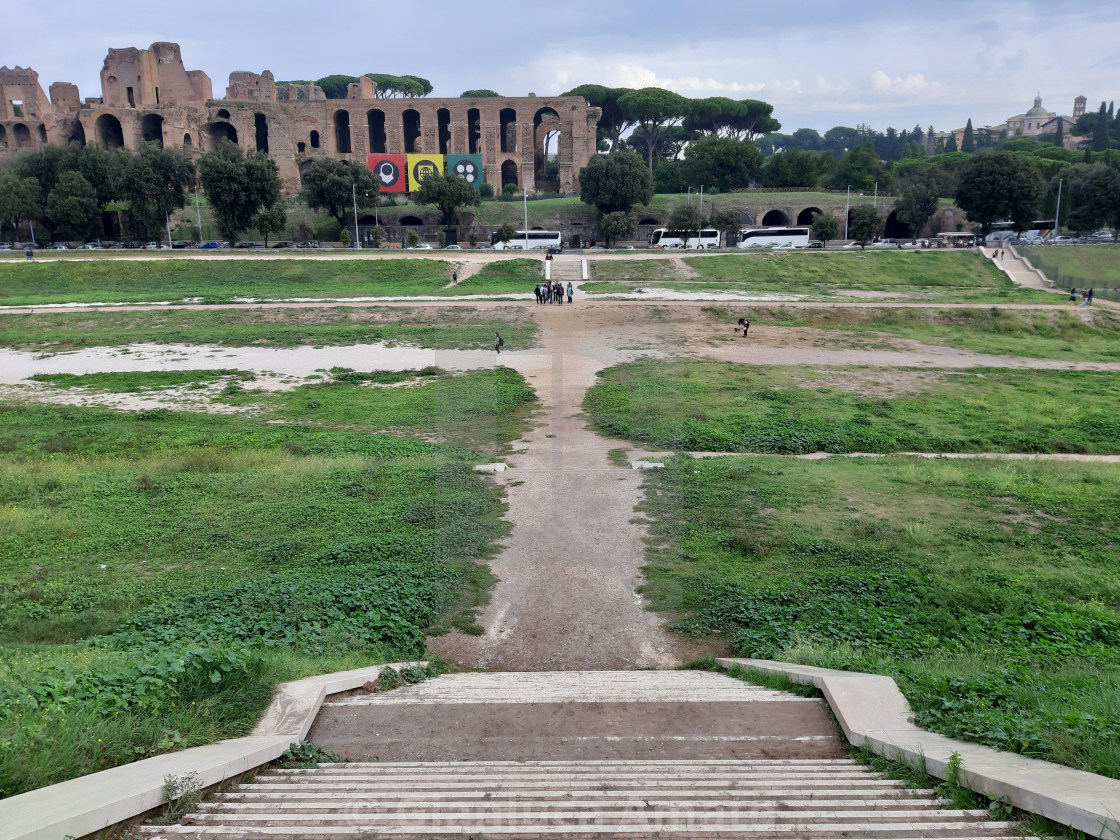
148,94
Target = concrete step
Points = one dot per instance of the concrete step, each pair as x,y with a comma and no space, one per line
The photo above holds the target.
577,687
679,831
309,805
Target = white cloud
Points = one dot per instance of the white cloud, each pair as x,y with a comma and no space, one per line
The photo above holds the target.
911,85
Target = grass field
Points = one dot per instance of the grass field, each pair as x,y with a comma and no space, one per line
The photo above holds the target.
161,571
502,277
724,407
216,281
1080,267
939,276
1091,335
989,590
462,329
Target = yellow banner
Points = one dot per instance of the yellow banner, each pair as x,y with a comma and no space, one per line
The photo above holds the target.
420,167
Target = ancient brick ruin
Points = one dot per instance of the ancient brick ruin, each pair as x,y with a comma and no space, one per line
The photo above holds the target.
148,95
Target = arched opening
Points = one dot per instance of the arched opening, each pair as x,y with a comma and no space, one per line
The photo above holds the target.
4,136
109,132
301,147
187,140
546,149
410,120
474,131
411,221
375,118
314,138
151,129
507,123
260,123
21,136
443,124
775,218
77,133
304,168
650,221
42,134
223,114
222,131
805,217
509,173
895,228
342,132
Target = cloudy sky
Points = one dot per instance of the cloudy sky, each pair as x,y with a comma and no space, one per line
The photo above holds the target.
820,63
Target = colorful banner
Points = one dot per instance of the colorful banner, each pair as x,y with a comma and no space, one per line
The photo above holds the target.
467,167
390,169
420,167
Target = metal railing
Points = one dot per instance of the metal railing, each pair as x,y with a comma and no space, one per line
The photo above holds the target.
1043,258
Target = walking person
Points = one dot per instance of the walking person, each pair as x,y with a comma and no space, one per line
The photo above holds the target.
1088,298
746,326
498,343
569,291
1073,295
30,254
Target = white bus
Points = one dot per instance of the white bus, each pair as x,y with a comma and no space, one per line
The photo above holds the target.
536,239
707,238
774,237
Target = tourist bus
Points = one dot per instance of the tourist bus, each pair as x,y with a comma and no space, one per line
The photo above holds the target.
707,238
774,237
532,240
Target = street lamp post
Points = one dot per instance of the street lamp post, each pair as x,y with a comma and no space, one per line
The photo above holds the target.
197,213
354,197
1057,209
847,206
525,203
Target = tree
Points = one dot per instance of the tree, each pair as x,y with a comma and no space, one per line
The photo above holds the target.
615,182
1059,134
996,185
713,115
505,232
346,239
613,122
968,143
238,186
864,225
753,121
335,87
377,236
447,193
1100,130
72,206
481,93
102,167
670,144
792,168
19,198
1094,196
336,185
683,220
390,86
154,183
617,225
722,162
271,220
728,223
861,169
951,145
825,227
918,203
654,110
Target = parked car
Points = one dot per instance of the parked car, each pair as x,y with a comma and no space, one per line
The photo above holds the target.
553,249
1060,240
452,248
284,243
311,243
60,246
182,243
92,246
423,246
5,246
210,246
816,244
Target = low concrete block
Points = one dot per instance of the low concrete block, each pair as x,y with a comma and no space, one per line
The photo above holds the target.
874,714
646,465
490,468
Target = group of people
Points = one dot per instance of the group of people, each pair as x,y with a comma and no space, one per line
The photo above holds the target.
1086,299
553,292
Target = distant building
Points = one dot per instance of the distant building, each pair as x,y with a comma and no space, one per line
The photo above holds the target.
1035,122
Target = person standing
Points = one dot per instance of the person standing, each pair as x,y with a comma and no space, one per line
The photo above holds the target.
1073,295
569,291
498,343
1089,298
30,254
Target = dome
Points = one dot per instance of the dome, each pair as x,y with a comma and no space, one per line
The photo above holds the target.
1037,110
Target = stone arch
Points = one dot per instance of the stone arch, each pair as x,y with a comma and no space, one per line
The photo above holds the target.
21,136
375,119
507,122
546,135
109,132
43,134
314,139
443,129
151,129
775,218
223,114
410,221
509,173
77,133
188,141
368,220
474,131
342,131
220,131
895,228
649,220
410,123
304,168
260,126
805,217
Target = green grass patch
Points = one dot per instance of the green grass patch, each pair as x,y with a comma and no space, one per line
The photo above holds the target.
216,281
1080,266
501,277
937,276
725,407
282,327
131,382
1091,335
161,571
989,590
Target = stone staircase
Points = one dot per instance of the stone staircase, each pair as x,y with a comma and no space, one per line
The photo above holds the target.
580,754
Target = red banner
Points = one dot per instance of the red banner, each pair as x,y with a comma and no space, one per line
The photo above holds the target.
390,170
